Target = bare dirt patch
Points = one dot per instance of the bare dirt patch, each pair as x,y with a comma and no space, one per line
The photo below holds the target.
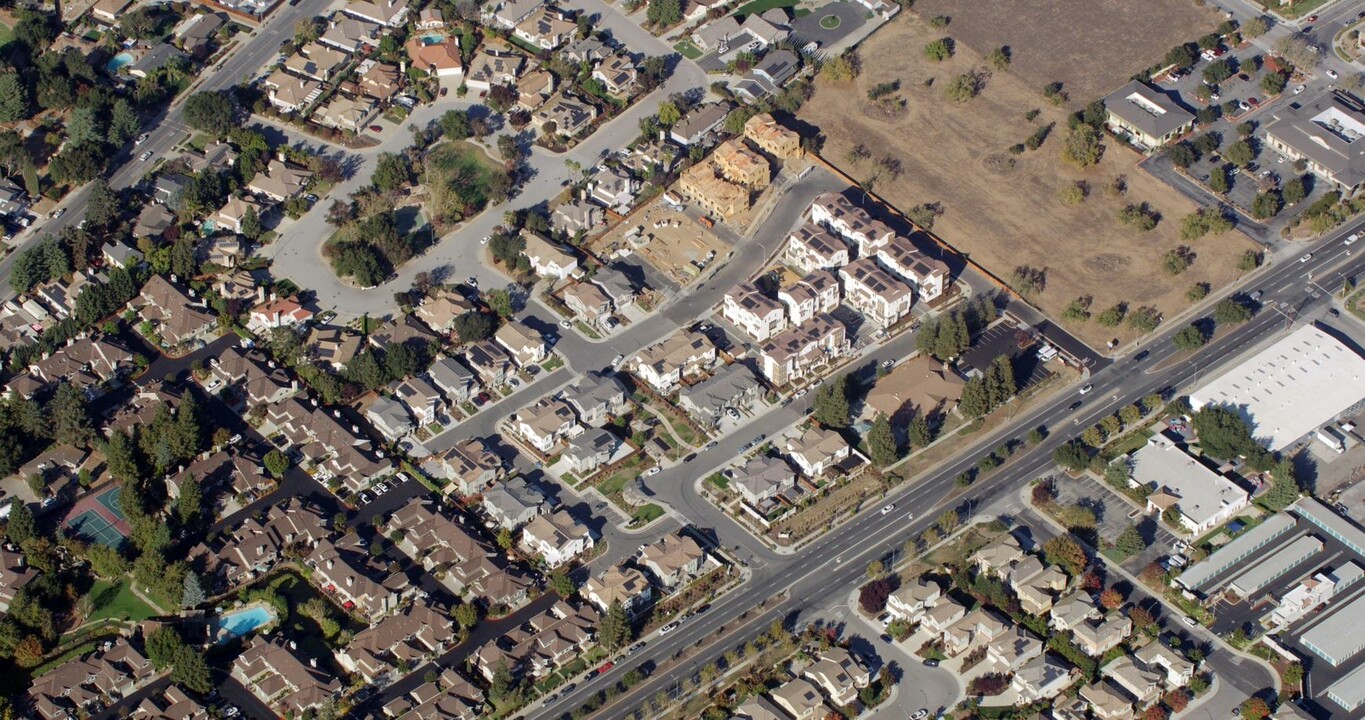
1090,46
670,241
1003,218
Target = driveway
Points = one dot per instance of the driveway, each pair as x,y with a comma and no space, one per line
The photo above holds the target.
850,16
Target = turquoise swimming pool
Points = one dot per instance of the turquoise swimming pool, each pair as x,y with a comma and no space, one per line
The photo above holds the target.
117,62
432,38
233,625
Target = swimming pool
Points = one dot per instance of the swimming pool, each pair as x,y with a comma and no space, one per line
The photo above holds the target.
233,625
117,62
432,38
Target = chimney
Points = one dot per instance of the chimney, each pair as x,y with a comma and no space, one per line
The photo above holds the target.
350,581
313,662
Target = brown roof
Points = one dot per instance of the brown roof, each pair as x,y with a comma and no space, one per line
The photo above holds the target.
918,384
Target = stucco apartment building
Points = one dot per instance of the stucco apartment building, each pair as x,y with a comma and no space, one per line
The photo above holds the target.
811,247
928,275
759,316
876,293
839,215
800,352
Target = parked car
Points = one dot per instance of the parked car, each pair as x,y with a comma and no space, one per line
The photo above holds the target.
144,156
652,471
1332,74
141,139
377,128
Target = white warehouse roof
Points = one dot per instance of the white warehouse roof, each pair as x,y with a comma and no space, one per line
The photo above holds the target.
1291,388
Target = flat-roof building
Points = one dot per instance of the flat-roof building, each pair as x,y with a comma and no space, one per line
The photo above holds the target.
1337,639
1241,548
1349,691
1203,498
1291,388
1149,116
1278,563
1326,133
1331,523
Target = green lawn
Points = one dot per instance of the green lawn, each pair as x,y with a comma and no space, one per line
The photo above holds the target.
116,600
688,50
830,22
648,513
6,34
719,480
758,7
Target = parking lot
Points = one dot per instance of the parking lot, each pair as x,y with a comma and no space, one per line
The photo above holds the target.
1003,339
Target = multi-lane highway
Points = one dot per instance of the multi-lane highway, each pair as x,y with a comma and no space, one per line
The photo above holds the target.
832,566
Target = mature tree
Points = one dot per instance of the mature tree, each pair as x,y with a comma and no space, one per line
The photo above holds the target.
832,403
872,596
948,522
614,633
1064,551
1298,51
455,125
1266,205
1255,709
15,102
193,593
664,12
1224,433
392,172
561,583
1255,27
252,229
1076,517
189,503
988,685
70,416
473,326
466,615
162,645
1072,456
1240,153
1294,191
1190,337
21,526
107,562
209,112
881,442
976,398
1130,542
1111,599
1000,382
192,670
1284,488
276,463
1083,146
1231,312
920,433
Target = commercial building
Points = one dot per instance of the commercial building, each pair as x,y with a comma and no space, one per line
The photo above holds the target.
1349,691
1147,115
1278,563
1299,600
1337,639
1330,522
1324,132
1203,498
1291,388
1199,575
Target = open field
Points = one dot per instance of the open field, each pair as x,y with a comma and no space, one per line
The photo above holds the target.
1005,210
1090,46
116,600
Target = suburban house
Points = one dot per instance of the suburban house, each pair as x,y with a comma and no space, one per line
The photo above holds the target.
389,13
591,450
420,397
587,50
619,584
811,247
928,275
280,181
998,557
489,68
86,684
731,386
698,123
876,293
490,361
682,355
349,114
350,35
275,673
513,503
1072,610
13,199
549,259
920,385
839,675
455,381
673,560
578,216
712,192
742,166
1144,686
817,450
1097,637
558,538
545,423
509,13
389,417
333,345
441,58
1176,670
380,82
588,303
255,382
1042,678
154,220
525,345
1147,115
596,397
440,310
617,73
291,93
470,466
236,209
14,575
613,189
315,61
1036,586
802,351
279,313
444,547
545,28
419,632
768,76
815,294
176,317
975,628
772,137
762,478
759,316
801,700
563,116
618,287
1203,498
1106,702
840,216
941,616
912,599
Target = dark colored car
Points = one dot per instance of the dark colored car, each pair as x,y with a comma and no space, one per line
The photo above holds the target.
1141,356
377,128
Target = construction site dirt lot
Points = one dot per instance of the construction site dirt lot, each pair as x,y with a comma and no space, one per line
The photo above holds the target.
1090,46
672,248
1005,210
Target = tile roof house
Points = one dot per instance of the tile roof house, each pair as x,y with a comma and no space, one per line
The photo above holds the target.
591,450
876,293
840,216
88,683
349,114
1143,686
455,381
441,58
534,88
558,538
772,137
673,560
177,318
1036,586
803,351
391,13
801,699
469,466
549,259
928,275
381,81
625,585
997,557
280,181
753,311
545,423
333,345
811,247
442,309
817,450
664,365
284,312
839,675
588,303
276,674
595,397
817,293
418,633
1106,702
513,503
761,478
731,386
920,385
526,346
976,628
291,93
492,363
350,35
230,216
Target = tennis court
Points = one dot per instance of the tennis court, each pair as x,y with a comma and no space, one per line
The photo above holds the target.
98,518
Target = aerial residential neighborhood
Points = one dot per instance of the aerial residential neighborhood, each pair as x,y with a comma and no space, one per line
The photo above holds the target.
771,360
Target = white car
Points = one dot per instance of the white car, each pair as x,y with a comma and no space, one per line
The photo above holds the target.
616,361
485,239
1087,389
1189,621
1306,257
668,628
566,324
1299,89
652,471
920,714
1350,239
888,508
145,154
1332,74
140,139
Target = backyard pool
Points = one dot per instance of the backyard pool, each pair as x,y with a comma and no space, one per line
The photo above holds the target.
117,62
233,625
432,38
